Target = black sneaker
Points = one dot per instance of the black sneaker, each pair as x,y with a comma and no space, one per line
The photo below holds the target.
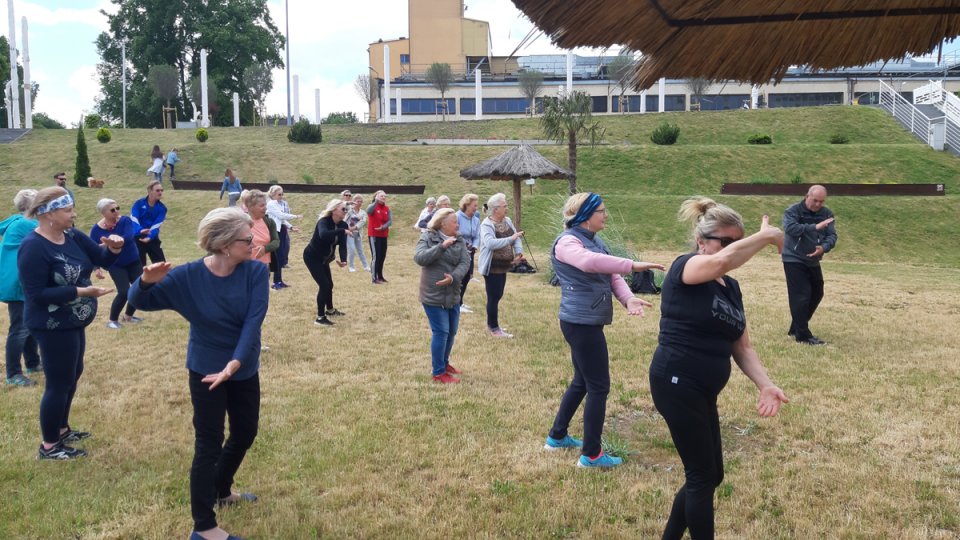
812,340
323,321
60,451
335,313
72,435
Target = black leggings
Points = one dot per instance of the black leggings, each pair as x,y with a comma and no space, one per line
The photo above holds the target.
804,292
466,280
494,283
378,252
215,463
123,277
591,378
276,267
321,274
694,425
62,353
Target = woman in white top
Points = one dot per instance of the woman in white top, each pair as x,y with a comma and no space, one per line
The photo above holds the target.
279,211
427,210
356,219
500,249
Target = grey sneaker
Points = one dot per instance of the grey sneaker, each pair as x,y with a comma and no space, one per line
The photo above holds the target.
60,451
71,435
21,380
114,325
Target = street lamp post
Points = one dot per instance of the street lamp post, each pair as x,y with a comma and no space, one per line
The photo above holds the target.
286,6
123,79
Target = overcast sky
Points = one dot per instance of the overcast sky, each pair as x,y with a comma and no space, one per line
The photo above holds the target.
328,47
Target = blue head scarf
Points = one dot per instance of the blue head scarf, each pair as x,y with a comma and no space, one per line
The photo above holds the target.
587,209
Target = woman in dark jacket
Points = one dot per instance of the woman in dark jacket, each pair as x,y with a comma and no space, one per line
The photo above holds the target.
331,232
443,255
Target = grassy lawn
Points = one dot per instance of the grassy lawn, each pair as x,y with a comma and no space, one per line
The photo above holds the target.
356,442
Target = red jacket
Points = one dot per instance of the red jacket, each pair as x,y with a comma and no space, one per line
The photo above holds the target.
378,215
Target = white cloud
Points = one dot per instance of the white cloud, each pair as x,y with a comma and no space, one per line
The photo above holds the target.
37,14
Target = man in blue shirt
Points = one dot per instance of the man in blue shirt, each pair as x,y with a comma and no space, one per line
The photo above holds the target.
149,213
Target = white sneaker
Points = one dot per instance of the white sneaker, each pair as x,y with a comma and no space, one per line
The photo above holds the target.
114,325
366,268
353,269
465,309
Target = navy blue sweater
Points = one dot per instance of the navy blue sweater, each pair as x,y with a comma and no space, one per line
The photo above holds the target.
225,313
129,231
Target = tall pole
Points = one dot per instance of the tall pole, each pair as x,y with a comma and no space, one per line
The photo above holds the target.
286,7
204,100
477,95
316,104
14,76
661,97
386,84
569,73
123,79
27,86
296,98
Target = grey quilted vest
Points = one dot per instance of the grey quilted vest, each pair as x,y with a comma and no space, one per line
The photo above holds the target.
585,298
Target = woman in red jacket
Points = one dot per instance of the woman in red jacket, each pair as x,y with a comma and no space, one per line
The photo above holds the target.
378,228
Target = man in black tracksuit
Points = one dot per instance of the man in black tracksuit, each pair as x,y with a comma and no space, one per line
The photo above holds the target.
808,233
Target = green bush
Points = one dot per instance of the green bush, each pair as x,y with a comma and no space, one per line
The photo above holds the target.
838,138
665,134
304,132
103,135
202,135
759,138
82,171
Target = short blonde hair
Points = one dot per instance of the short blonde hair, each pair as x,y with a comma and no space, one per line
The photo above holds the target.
24,198
152,183
253,196
443,199
707,216
272,192
358,198
572,206
437,220
467,199
220,227
331,206
44,196
102,204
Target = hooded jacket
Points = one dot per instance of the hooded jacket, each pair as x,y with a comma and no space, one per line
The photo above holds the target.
436,261
13,230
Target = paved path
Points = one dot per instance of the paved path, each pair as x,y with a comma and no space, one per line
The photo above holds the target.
7,136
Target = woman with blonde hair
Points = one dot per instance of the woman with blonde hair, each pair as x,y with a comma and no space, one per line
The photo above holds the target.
379,219
442,254
500,249
589,280
223,353
329,234
469,223
356,219
54,263
702,325
265,237
127,268
279,211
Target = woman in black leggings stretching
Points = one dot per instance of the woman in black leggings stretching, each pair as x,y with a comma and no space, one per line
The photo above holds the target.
330,233
702,324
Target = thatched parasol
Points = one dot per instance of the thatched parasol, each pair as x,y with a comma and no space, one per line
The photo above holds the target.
750,41
518,163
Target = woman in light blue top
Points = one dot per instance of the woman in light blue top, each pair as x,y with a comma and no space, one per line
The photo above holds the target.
470,229
231,186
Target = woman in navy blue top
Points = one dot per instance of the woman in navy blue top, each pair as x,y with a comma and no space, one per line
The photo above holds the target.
702,324
55,262
127,268
224,297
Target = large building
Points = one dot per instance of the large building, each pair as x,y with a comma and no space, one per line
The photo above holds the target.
439,33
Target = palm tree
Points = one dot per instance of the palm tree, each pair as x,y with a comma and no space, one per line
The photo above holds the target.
564,119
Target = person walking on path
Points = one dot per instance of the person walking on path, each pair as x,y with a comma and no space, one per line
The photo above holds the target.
443,256
589,280
224,296
703,324
20,344
54,263
379,219
809,233
500,249
149,213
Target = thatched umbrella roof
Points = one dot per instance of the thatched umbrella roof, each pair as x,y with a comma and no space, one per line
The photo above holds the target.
518,163
750,41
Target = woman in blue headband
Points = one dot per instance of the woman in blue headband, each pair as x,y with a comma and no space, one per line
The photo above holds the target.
55,262
589,279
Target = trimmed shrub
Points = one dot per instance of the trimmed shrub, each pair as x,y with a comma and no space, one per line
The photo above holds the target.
759,138
82,171
838,138
304,132
103,135
202,135
665,134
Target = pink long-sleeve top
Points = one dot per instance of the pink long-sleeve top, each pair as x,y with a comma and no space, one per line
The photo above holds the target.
570,250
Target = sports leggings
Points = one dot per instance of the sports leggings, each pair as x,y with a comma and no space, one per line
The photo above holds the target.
62,353
122,277
494,283
591,378
691,415
378,253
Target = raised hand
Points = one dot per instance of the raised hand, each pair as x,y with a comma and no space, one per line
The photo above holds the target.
449,242
447,280
823,224
635,306
774,234
771,398
153,273
113,242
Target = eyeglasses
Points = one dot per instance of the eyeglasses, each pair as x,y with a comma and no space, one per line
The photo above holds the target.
344,209
724,240
248,240
115,209
604,210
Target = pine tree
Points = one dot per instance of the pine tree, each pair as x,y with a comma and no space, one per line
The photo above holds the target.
83,162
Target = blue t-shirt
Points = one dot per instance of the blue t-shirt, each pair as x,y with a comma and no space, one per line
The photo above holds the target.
129,231
698,326
50,274
225,313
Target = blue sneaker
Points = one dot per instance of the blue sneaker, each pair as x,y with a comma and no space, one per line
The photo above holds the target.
603,461
560,444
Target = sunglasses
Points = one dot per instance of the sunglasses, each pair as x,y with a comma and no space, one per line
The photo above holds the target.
115,209
248,240
724,240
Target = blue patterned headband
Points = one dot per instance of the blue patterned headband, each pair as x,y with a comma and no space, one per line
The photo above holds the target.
60,202
587,209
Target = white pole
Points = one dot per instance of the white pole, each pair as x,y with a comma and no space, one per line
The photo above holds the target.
316,103
754,96
663,92
6,101
399,106
386,84
286,45
296,99
14,76
205,116
236,109
569,72
643,102
123,78
27,86
478,95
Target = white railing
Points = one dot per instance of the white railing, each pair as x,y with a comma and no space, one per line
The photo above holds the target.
929,94
934,94
909,116
952,137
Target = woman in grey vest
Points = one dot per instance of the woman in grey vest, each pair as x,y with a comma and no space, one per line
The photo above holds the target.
589,279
